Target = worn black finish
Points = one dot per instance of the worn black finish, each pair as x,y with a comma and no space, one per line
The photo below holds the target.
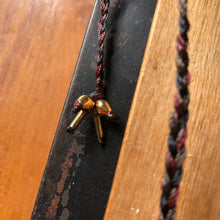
79,174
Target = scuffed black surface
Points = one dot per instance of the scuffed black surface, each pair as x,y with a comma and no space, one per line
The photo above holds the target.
90,180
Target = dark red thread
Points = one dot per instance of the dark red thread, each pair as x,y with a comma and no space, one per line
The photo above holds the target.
98,93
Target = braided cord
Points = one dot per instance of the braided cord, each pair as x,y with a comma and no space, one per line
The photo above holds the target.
98,93
178,119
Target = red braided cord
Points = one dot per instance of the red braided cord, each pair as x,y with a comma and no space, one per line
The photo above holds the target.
98,93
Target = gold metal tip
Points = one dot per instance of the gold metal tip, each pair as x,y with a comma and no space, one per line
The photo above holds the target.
69,129
77,120
98,126
102,107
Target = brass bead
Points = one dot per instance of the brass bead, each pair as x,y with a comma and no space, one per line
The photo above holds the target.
103,108
86,102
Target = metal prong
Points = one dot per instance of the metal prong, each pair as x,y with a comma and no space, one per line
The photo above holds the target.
98,126
77,120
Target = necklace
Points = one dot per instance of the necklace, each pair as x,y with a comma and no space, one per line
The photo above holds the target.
178,119
98,106
95,102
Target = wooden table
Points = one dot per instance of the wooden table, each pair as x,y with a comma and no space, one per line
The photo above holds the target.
40,42
136,189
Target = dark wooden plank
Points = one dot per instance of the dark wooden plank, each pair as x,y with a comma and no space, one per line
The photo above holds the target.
79,173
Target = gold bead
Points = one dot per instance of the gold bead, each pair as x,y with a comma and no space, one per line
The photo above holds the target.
86,102
102,108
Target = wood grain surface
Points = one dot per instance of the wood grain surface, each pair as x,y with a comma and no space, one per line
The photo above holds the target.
137,184
40,42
